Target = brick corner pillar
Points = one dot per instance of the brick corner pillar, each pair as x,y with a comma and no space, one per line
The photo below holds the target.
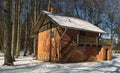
107,52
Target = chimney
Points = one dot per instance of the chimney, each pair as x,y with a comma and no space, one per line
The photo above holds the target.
52,10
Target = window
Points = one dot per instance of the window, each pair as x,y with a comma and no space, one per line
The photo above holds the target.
88,37
82,33
82,38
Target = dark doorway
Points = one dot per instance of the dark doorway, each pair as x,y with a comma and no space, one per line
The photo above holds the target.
106,54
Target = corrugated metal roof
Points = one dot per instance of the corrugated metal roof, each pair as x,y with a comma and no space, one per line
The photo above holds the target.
74,23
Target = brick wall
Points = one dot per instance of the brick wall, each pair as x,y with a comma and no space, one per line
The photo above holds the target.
69,51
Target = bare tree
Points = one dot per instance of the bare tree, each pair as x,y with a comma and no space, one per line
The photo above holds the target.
111,18
7,33
18,29
34,23
1,45
13,40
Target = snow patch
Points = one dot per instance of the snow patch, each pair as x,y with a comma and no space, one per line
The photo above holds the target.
28,64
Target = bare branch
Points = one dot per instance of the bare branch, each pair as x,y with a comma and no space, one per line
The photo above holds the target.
3,9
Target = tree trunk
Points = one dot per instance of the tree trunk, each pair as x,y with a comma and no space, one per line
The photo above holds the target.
0,27
75,5
13,41
26,29
25,43
38,7
7,33
18,31
49,5
35,40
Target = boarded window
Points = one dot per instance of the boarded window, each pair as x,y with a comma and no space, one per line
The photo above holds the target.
88,37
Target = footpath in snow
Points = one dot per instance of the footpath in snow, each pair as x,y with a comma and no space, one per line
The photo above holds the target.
28,64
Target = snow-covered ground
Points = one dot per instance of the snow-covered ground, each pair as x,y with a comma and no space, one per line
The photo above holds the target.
29,65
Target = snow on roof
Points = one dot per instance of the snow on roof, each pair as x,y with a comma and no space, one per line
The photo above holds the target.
73,23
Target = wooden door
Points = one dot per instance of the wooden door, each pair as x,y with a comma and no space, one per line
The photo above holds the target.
106,54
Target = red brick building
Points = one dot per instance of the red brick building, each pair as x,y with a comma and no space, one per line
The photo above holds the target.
67,39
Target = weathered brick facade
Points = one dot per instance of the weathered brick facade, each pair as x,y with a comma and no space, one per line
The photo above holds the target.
70,51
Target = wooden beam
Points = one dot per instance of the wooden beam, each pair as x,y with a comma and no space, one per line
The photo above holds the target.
50,42
58,30
45,23
59,44
39,23
78,38
67,54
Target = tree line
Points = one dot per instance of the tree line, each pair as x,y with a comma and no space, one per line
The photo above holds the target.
17,17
